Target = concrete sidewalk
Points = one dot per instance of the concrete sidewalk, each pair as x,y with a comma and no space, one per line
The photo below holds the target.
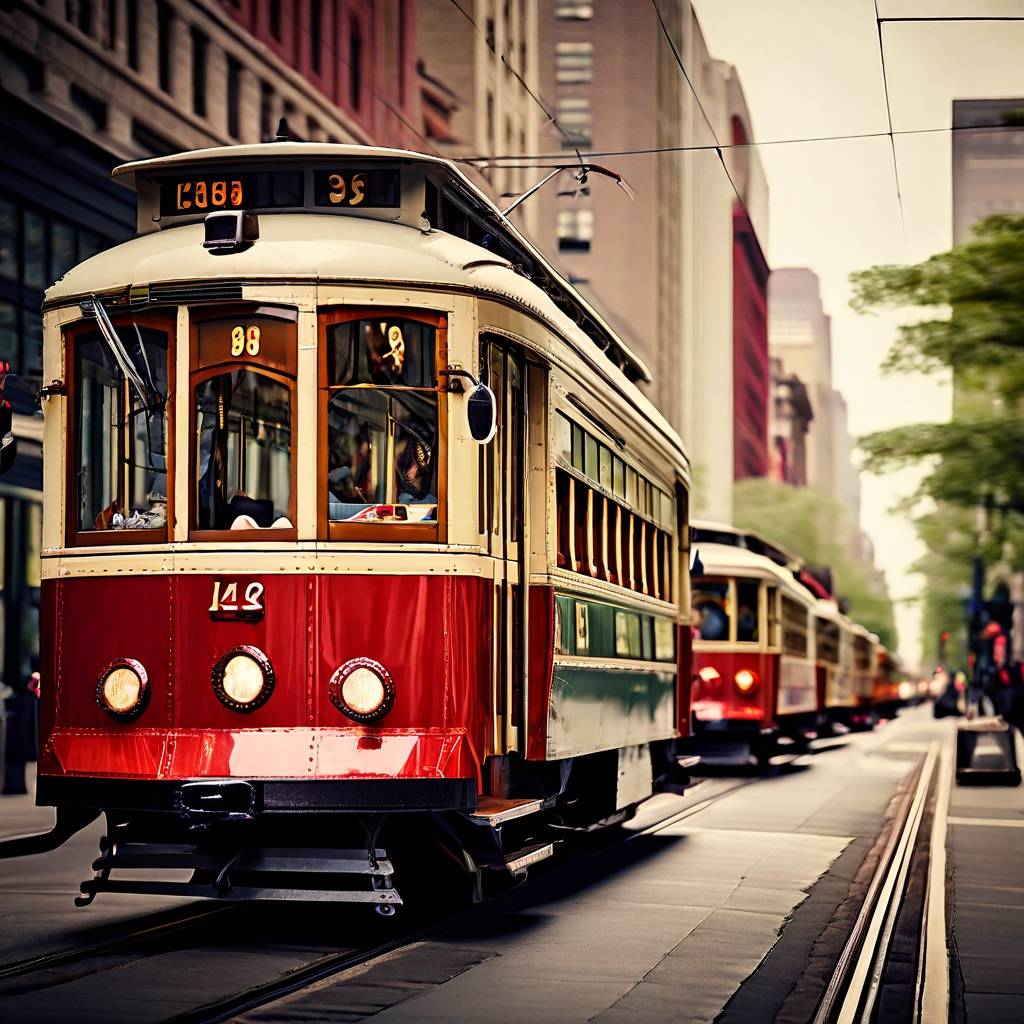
986,868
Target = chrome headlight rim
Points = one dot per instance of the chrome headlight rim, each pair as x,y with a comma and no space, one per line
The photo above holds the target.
265,667
126,714
336,694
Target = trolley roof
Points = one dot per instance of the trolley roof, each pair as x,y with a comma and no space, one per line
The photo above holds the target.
481,220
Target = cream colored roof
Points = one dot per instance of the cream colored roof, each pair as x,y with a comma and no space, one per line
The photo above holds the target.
305,151
725,560
300,246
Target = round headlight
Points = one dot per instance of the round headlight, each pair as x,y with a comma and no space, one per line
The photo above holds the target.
123,689
745,680
243,679
362,689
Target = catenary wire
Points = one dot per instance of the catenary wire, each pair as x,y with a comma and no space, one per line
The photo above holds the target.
682,67
518,77
888,114
710,147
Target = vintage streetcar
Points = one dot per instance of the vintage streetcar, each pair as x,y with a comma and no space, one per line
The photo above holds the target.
361,542
774,659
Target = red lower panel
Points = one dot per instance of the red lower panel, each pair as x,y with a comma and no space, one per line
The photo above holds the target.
257,753
715,696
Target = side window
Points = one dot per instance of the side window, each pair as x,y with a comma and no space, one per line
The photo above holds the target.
774,624
711,610
747,595
243,413
794,627
120,402
382,458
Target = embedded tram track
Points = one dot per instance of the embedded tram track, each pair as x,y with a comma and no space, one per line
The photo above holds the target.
149,935
336,965
68,966
859,981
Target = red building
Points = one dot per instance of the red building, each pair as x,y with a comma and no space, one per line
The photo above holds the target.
751,374
360,54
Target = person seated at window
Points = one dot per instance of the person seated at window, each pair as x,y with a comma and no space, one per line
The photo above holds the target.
714,623
746,624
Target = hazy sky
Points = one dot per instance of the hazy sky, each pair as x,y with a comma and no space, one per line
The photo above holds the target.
812,68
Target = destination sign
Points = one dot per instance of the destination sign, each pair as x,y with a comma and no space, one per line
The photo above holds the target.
340,189
257,190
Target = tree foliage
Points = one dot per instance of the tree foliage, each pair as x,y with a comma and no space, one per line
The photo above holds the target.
817,529
971,301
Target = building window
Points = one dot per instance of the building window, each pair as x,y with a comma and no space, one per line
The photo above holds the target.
573,10
574,62
200,48
490,122
355,64
315,41
132,31
94,109
80,13
491,43
275,19
575,118
266,111
234,97
164,18
110,40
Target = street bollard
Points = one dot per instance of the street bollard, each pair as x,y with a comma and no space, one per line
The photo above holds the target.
986,753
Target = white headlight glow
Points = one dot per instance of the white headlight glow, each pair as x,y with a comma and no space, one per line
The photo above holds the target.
243,679
123,689
362,689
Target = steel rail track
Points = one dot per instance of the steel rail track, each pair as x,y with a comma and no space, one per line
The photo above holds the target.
337,964
853,988
323,967
190,918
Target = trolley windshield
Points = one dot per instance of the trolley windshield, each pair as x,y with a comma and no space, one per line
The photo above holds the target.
382,421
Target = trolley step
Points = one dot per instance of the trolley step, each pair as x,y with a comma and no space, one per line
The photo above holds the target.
493,811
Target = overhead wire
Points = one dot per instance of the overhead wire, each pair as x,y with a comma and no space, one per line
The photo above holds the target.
552,119
888,114
700,106
707,147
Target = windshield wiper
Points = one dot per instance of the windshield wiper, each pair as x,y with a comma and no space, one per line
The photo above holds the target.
107,331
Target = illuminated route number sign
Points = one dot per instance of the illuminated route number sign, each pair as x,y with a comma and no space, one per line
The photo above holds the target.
280,190
357,189
227,190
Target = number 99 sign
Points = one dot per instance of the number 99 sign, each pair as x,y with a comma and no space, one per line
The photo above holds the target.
245,340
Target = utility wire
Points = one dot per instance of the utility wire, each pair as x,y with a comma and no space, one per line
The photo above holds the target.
700,106
710,147
567,135
888,114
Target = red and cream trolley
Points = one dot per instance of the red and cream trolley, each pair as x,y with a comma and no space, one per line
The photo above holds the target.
753,645
301,597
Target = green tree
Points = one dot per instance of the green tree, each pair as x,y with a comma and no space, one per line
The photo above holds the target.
817,529
971,301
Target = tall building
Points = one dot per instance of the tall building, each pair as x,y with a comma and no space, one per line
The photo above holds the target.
86,86
478,62
789,425
987,162
676,272
800,335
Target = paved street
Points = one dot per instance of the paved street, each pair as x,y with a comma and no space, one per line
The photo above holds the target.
730,903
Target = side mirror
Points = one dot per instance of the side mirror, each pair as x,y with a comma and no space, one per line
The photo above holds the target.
696,565
482,413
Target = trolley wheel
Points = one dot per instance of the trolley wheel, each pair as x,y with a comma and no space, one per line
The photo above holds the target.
385,909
